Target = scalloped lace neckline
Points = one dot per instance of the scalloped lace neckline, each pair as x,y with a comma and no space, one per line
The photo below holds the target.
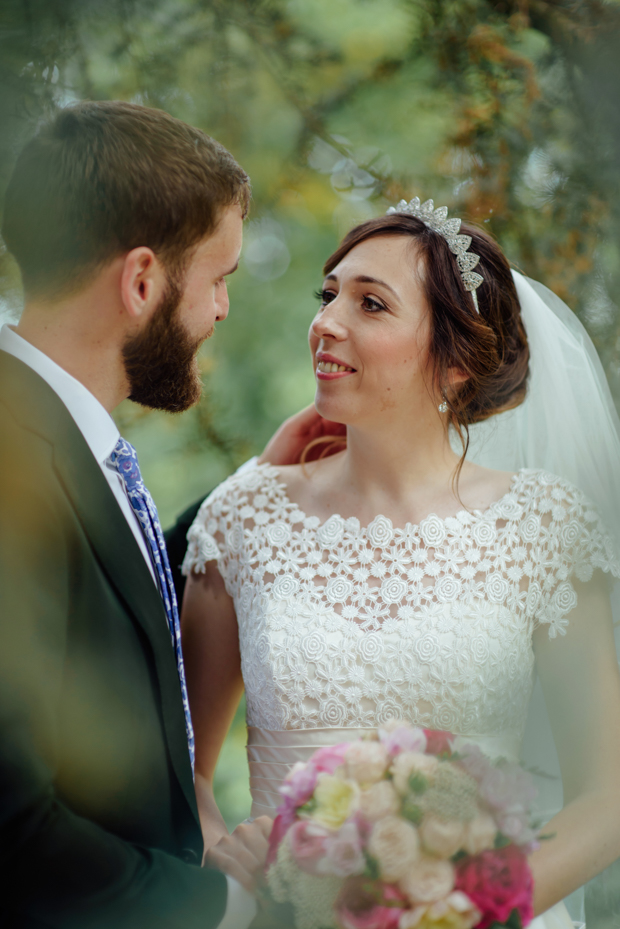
462,516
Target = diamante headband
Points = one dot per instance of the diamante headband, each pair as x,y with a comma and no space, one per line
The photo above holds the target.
437,219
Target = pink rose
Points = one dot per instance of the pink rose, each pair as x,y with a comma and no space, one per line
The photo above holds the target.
281,825
307,841
344,855
403,738
515,827
473,760
508,788
362,905
330,758
298,785
497,882
438,742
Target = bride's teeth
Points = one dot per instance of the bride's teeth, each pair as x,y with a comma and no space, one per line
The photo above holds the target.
330,367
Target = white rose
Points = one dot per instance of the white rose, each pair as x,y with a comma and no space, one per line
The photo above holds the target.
380,531
379,800
427,648
279,533
331,532
447,589
428,880
395,845
366,761
284,587
496,588
480,834
433,531
370,647
440,838
529,530
408,763
338,589
393,589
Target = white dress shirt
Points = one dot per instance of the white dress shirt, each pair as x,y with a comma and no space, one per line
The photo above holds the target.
101,435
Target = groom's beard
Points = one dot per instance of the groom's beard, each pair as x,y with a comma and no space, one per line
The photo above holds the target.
160,362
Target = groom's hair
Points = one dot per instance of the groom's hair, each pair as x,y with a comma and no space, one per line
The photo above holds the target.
102,178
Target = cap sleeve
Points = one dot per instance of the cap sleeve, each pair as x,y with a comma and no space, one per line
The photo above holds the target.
217,533
573,543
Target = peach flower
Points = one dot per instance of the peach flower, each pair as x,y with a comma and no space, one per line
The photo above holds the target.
429,880
379,800
480,834
408,763
366,761
395,845
442,838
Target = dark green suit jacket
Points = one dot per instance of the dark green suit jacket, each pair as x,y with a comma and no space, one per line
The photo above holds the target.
98,819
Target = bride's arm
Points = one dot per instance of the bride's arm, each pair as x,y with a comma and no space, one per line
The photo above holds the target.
581,681
214,682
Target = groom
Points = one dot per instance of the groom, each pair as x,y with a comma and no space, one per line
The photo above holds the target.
125,223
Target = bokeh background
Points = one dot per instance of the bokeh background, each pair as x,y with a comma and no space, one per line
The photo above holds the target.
508,112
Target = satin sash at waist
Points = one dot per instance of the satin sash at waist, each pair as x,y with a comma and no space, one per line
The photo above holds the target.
273,752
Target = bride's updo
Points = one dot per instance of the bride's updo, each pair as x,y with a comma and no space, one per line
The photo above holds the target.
490,347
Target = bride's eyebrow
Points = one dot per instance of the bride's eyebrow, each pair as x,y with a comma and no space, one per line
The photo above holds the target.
364,279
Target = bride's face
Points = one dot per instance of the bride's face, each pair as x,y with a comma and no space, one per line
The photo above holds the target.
370,337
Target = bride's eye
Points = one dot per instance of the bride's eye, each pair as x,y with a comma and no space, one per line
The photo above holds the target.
373,306
325,296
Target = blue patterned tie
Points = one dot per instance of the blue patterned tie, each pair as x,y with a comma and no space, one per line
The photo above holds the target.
125,460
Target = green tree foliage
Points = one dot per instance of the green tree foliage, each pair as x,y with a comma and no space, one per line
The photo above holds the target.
505,111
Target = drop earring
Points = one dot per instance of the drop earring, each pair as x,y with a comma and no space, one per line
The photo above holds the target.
443,406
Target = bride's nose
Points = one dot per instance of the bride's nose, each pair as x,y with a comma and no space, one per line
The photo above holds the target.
328,323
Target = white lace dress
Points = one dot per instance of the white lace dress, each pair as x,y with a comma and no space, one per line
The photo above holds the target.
342,626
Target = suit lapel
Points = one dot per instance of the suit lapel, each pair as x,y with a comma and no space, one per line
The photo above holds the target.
110,537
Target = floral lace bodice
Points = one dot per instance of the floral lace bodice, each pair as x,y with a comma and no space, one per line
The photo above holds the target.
345,626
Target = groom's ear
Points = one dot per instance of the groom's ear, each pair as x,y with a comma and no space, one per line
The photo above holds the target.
142,283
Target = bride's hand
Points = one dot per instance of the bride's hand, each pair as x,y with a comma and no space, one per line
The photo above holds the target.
242,854
287,444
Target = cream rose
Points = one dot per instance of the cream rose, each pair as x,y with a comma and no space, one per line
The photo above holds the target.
366,761
456,911
379,800
336,800
428,880
480,834
408,763
395,845
442,838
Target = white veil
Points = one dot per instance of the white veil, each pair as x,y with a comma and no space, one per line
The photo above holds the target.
567,425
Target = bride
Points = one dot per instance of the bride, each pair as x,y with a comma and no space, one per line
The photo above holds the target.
397,577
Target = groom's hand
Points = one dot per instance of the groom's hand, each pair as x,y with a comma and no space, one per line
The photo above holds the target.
287,444
243,854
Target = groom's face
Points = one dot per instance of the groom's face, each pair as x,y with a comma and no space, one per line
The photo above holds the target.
160,361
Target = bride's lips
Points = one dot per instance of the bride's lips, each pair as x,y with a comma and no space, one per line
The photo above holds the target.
330,368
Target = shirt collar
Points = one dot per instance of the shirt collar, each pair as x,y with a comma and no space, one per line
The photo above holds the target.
92,419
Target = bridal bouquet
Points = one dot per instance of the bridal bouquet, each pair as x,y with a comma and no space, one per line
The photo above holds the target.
411,829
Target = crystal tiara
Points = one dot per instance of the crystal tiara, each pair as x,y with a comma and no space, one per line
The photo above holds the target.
437,219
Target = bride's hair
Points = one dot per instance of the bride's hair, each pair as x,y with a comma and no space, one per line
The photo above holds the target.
489,347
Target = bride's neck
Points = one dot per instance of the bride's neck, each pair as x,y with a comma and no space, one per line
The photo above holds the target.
395,466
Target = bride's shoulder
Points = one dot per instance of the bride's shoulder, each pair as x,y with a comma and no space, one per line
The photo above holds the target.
539,484
249,481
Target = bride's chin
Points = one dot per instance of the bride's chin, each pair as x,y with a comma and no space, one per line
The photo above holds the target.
328,409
